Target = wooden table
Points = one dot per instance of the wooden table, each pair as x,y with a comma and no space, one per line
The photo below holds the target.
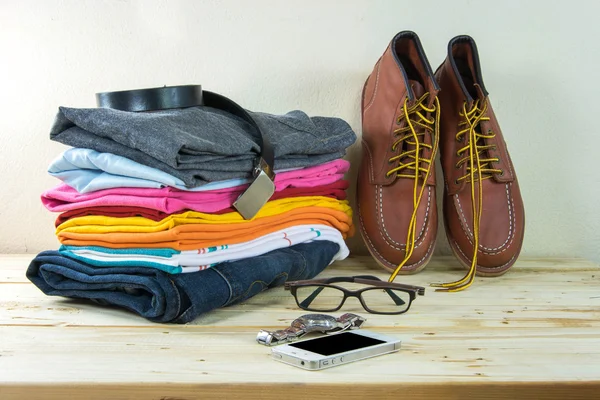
533,333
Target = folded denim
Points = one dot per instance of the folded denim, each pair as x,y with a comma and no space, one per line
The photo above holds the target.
202,144
176,262
335,190
162,297
87,170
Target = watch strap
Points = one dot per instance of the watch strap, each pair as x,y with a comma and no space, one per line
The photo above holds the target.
297,329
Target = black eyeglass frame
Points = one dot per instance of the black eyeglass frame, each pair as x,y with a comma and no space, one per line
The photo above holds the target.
371,280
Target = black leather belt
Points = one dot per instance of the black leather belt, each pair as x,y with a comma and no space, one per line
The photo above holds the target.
262,187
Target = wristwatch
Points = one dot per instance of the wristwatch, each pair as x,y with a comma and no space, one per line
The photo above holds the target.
310,323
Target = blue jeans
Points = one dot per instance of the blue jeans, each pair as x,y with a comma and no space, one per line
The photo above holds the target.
161,297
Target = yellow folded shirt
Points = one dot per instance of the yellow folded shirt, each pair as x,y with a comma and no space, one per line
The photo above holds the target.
102,224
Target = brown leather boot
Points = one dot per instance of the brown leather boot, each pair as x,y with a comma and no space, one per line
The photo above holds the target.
396,180
483,208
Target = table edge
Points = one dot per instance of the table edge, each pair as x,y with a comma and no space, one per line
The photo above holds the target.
416,390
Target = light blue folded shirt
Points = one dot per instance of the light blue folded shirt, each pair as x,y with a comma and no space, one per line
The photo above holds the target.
87,170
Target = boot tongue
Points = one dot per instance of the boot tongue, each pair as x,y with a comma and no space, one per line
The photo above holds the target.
417,88
479,90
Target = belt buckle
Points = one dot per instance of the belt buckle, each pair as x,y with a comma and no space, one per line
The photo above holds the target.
249,203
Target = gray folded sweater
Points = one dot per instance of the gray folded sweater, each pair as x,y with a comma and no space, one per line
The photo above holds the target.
203,144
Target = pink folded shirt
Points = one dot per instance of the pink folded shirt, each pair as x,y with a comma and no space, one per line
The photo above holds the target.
171,200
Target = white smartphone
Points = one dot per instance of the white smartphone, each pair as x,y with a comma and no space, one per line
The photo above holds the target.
333,350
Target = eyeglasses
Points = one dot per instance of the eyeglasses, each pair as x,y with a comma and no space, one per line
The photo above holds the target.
379,298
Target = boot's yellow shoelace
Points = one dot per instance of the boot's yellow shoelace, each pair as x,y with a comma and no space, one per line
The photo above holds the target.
416,117
478,169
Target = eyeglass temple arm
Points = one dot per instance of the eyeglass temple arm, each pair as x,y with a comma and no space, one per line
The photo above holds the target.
306,302
419,289
332,279
396,299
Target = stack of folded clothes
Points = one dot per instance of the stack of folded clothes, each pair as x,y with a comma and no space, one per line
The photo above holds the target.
146,208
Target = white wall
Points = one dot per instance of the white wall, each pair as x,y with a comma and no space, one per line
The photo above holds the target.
540,62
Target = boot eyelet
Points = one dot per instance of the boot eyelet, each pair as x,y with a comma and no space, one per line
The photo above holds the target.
457,166
456,182
501,173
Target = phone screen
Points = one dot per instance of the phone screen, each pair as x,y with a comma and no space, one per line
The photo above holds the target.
335,344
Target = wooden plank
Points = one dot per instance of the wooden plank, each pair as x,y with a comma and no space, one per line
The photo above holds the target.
570,291
24,304
285,390
12,268
122,355
532,333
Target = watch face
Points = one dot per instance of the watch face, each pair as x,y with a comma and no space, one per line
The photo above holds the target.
314,321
